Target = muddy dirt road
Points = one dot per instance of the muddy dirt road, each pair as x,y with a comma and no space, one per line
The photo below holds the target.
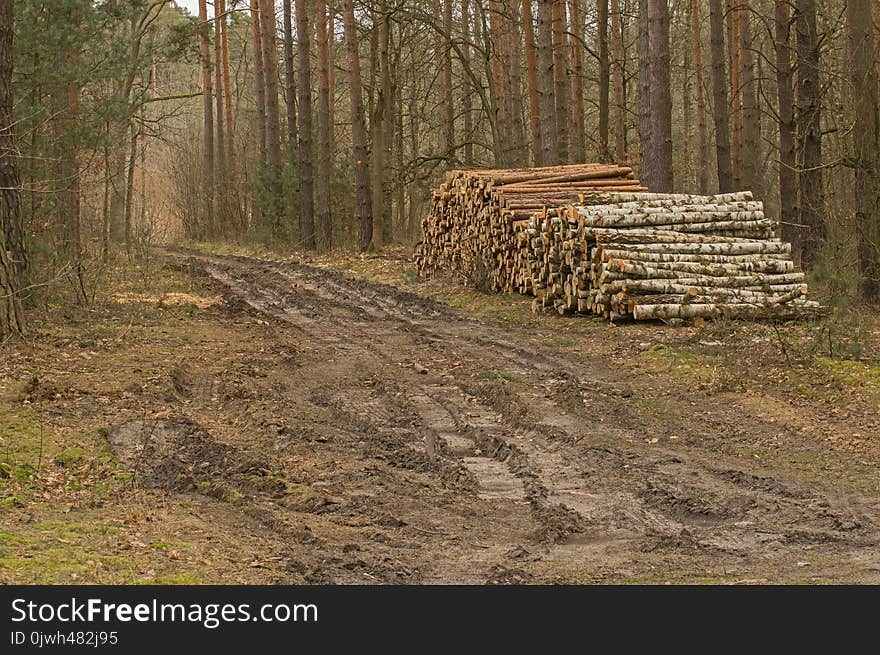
399,441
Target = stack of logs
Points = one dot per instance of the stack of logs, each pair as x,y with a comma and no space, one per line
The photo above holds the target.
662,256
587,238
472,228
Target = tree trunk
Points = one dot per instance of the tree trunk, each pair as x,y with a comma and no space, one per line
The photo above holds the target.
809,133
290,74
467,93
273,120
751,112
11,314
496,42
618,82
719,98
703,154
866,142
546,99
325,143
788,212
734,46
514,92
377,126
528,25
358,131
647,165
448,109
578,119
306,190
259,77
661,95
227,87
560,79
207,125
220,125
604,77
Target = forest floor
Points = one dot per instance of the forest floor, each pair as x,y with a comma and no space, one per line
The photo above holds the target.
214,418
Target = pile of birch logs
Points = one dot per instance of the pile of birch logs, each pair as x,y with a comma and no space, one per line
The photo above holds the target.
587,238
472,228
661,256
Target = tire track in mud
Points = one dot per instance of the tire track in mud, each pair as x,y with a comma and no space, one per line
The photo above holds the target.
597,494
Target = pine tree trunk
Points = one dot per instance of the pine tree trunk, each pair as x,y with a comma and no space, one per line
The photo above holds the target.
618,82
498,79
290,76
358,131
604,77
467,94
866,141
528,24
703,146
273,120
259,77
719,98
647,164
514,92
447,106
207,131
809,133
751,113
304,90
325,143
578,118
734,46
560,78
546,94
220,125
227,87
12,320
788,212
661,95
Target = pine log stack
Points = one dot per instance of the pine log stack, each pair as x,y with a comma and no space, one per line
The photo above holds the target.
668,257
473,227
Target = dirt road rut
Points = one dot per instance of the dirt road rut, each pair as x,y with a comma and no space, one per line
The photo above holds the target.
452,450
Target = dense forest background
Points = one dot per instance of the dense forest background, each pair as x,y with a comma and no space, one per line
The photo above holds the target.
319,124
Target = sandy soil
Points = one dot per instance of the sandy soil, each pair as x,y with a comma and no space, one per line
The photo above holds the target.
372,435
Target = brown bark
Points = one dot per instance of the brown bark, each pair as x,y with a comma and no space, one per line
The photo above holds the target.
578,119
734,46
719,98
703,145
499,75
788,212
358,131
514,93
618,82
273,125
444,81
325,142
546,92
259,76
289,74
646,123
380,129
604,77
220,124
12,319
811,197
560,79
448,108
751,113
306,186
207,125
227,84
532,80
866,141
